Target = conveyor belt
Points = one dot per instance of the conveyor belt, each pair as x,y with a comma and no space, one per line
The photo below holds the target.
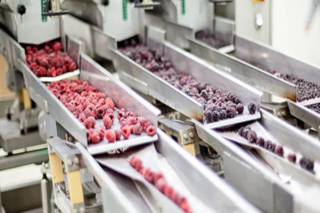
204,185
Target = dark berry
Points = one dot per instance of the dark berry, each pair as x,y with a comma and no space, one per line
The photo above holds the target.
279,150
215,116
252,108
240,108
260,141
292,158
223,114
252,137
240,131
306,164
231,112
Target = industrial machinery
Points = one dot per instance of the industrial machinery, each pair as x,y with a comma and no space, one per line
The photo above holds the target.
91,177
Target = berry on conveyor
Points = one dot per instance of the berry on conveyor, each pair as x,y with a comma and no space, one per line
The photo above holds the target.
137,129
240,108
252,136
231,112
215,116
107,122
148,175
101,132
151,130
252,108
306,164
111,136
209,38
260,141
95,138
88,135
168,191
292,157
126,132
160,184
157,176
279,150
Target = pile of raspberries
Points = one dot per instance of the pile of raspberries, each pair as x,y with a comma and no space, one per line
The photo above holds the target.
48,60
218,105
87,105
251,136
209,38
159,181
306,90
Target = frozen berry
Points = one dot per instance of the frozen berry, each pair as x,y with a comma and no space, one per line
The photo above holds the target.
82,117
260,141
252,137
110,103
223,114
131,120
111,135
185,207
240,131
101,111
107,122
306,164
215,116
240,108
231,112
101,132
136,162
252,108
160,184
292,158
148,175
151,130
168,190
89,122
157,176
279,150
126,132
272,146
137,129
118,134
95,138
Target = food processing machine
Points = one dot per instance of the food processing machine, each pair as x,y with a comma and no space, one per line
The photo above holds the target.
91,181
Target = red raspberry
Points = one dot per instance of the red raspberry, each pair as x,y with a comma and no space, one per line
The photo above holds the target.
168,191
157,176
91,131
90,122
160,184
130,114
95,138
110,103
121,114
107,122
111,115
92,108
148,175
64,69
131,120
131,128
137,129
136,162
180,200
72,67
123,122
44,62
88,135
82,117
101,111
126,132
118,134
185,207
85,104
101,102
70,107
93,95
88,113
59,71
53,71
111,135
57,46
101,132
151,130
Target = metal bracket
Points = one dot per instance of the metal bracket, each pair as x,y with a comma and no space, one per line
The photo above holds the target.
70,156
184,132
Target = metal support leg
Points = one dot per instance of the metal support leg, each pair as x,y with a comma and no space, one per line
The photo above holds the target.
45,192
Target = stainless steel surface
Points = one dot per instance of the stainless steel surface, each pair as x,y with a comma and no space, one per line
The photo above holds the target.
25,158
113,197
146,82
223,29
274,59
290,136
202,182
155,38
258,178
12,139
103,43
178,34
45,195
51,105
244,71
303,113
104,82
